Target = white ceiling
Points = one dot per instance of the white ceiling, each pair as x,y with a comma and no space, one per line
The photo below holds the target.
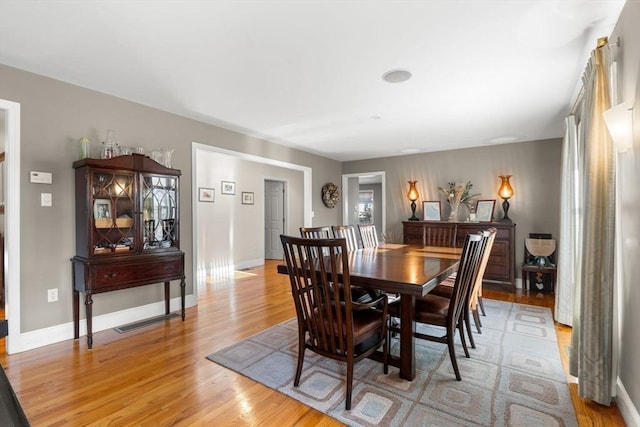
307,74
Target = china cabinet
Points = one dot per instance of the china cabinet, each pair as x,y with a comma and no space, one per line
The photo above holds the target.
127,230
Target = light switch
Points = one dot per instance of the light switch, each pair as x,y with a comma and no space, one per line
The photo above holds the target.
46,199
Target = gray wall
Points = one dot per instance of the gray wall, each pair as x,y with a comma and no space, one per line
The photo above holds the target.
628,29
535,167
54,115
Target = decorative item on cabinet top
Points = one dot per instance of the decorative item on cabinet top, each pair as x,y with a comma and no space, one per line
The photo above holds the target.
457,194
431,210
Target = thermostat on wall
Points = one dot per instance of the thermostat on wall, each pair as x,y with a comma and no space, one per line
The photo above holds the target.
41,177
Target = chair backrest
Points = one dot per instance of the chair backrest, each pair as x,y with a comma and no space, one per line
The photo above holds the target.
316,232
316,294
441,235
347,232
488,236
368,235
467,270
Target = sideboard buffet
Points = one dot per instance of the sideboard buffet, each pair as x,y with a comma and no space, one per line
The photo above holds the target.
127,230
501,265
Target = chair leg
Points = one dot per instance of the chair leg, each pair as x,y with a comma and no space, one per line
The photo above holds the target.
476,319
301,348
467,322
481,305
349,384
452,353
385,353
463,339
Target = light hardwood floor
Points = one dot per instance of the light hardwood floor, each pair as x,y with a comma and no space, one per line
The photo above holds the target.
158,375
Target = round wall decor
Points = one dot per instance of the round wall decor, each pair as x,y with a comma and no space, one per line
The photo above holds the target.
330,195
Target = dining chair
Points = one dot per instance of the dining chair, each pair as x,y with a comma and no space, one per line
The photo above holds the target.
323,232
445,288
316,232
448,313
347,232
368,235
329,325
475,297
441,235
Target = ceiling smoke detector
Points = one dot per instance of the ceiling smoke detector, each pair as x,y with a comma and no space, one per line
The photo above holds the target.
396,76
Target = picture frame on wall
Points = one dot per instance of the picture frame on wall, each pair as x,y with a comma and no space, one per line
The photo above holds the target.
431,210
484,210
247,198
228,187
206,194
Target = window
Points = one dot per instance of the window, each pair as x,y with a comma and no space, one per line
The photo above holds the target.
365,207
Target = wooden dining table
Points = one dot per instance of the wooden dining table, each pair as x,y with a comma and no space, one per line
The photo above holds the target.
406,270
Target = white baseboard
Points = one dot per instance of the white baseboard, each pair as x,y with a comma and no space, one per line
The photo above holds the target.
41,337
249,263
625,405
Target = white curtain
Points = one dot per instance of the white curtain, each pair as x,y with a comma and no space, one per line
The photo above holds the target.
591,341
568,247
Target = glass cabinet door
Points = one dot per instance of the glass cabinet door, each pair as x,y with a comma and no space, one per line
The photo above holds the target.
159,210
113,212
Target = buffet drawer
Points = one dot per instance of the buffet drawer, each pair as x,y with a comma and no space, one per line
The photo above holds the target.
113,275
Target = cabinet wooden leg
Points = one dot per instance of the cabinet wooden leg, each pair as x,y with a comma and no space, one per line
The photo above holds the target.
88,305
167,297
183,286
76,314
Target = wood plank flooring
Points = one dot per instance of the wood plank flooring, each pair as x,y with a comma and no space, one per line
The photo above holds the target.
158,375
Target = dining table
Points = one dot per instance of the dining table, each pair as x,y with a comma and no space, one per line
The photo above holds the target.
408,271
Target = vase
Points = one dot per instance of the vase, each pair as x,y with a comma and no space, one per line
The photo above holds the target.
84,147
453,216
109,147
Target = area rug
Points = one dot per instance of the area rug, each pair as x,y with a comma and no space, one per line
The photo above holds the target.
513,378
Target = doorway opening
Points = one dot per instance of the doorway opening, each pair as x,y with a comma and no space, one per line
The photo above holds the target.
365,200
201,220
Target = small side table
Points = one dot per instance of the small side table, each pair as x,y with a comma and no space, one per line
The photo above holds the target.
526,268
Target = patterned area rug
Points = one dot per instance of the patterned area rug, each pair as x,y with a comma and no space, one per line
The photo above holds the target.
513,378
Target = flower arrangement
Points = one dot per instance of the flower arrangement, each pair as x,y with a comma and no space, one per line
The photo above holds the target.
456,194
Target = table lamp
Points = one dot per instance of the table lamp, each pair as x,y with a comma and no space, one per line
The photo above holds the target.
505,192
413,196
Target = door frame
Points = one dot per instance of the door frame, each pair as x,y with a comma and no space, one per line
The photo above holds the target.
12,222
195,147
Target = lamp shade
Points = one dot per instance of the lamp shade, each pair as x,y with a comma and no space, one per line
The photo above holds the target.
505,191
619,120
413,191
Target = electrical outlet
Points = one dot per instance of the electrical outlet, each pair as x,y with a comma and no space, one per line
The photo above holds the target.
52,295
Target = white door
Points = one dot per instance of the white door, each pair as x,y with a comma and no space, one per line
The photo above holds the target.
273,219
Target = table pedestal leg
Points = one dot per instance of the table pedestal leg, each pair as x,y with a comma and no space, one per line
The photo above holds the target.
407,340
